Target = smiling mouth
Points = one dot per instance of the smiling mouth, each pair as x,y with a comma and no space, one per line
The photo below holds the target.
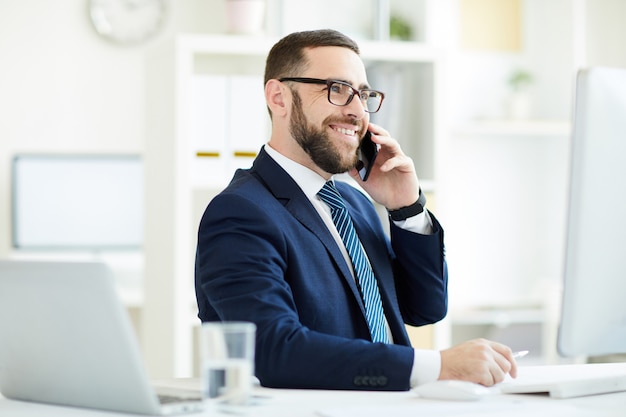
349,132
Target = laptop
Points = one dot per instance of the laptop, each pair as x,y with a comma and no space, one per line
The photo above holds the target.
66,338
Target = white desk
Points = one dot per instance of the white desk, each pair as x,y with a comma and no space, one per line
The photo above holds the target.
314,403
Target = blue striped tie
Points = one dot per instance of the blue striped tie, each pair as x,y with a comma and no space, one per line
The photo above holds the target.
362,268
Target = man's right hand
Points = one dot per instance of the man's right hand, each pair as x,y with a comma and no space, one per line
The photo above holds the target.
481,361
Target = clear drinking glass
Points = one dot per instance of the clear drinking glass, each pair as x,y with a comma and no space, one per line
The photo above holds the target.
227,361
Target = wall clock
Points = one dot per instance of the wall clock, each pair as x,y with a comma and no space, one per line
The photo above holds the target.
127,21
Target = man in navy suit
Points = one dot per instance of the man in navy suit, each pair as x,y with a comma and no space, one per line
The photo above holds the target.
269,252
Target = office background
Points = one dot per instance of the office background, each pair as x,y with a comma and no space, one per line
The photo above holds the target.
498,181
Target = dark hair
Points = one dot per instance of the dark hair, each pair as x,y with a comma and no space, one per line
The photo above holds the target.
287,59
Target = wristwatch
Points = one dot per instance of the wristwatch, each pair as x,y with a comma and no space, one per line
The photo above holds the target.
414,209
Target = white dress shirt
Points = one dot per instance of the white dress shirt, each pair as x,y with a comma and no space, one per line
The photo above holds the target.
427,363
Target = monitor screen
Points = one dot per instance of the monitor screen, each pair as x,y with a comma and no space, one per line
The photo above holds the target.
77,202
593,320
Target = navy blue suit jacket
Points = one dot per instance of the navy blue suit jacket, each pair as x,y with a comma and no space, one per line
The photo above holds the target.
265,255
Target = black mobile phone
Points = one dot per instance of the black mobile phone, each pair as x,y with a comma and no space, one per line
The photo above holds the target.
368,151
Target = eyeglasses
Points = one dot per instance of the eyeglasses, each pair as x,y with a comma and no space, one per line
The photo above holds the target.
341,93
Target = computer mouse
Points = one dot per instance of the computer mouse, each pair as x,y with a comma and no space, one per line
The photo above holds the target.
452,390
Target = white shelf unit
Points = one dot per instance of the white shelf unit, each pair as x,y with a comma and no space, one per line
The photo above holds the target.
180,184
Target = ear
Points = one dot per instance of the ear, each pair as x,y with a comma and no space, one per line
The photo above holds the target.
277,97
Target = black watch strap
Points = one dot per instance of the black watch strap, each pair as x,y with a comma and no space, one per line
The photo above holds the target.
414,209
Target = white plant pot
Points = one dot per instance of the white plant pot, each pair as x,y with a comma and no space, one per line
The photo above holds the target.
245,16
520,106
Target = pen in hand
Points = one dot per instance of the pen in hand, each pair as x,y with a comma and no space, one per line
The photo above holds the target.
520,354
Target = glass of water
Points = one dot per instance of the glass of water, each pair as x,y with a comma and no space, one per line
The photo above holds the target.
227,361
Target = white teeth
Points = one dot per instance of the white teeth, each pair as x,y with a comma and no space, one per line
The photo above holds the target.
345,131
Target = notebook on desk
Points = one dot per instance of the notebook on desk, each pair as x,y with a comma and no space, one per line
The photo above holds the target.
567,381
65,338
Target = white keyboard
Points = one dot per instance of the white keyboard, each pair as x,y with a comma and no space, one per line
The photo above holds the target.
567,381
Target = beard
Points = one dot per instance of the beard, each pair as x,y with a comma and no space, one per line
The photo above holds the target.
316,143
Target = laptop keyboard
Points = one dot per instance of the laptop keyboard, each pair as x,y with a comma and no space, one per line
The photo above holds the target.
169,399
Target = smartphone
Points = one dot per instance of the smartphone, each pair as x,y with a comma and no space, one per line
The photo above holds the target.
367,155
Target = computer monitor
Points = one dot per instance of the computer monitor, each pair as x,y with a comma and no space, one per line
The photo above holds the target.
593,320
77,202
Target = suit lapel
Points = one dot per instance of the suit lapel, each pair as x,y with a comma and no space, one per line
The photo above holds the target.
285,189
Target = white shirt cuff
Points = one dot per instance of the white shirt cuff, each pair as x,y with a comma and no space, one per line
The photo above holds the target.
426,367
420,223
